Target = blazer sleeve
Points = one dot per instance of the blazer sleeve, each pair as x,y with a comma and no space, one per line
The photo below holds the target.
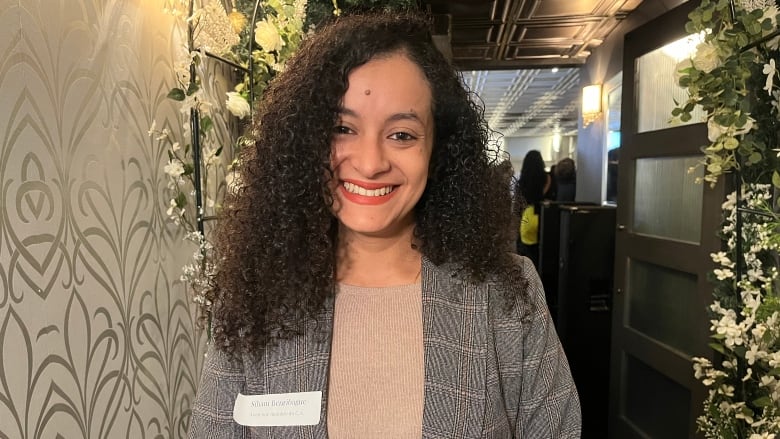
221,381
538,388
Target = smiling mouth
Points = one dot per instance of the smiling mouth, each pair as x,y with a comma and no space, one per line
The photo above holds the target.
358,190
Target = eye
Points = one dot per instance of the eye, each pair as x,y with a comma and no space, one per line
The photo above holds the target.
403,136
341,129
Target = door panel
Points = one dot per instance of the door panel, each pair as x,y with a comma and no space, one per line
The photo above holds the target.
659,303
655,404
666,229
670,207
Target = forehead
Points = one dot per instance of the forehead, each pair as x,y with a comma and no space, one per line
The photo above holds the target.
389,78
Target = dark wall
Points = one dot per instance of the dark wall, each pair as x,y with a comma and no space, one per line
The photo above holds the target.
605,62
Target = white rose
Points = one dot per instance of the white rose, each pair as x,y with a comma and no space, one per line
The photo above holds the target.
715,130
706,58
267,36
237,105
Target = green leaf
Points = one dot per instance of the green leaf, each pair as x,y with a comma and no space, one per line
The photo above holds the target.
181,200
206,124
188,169
764,401
219,151
754,158
718,347
193,87
776,179
685,117
176,94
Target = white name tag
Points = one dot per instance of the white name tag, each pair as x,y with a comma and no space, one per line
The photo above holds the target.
280,409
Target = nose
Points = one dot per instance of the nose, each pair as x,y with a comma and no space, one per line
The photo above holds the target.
370,158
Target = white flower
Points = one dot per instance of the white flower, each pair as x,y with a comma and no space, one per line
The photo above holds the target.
267,36
213,29
722,259
769,71
753,354
175,146
152,128
164,134
174,168
237,105
715,130
210,156
706,58
723,274
171,206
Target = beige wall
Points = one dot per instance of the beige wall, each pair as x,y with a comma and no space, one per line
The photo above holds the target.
96,334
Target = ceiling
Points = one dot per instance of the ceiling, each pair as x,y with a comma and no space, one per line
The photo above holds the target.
522,56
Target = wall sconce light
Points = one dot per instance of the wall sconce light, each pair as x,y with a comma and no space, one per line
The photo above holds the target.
591,104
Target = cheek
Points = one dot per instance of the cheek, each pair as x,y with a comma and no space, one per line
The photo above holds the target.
335,161
336,157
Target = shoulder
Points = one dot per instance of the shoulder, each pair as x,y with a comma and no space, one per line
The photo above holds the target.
516,290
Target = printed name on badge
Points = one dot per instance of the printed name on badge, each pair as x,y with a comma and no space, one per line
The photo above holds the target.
277,410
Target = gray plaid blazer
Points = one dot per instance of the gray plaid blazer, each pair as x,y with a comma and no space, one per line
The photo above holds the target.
489,372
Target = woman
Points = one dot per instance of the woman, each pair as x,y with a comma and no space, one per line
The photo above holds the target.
365,289
566,179
532,187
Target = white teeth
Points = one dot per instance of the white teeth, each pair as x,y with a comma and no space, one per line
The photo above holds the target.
355,189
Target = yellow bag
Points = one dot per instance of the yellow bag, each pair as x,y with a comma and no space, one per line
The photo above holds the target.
529,226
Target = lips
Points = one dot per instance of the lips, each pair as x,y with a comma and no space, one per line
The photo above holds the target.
359,190
367,193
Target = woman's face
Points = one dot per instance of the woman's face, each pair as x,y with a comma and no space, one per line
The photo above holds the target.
382,147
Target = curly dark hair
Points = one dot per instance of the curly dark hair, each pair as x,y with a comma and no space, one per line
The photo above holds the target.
277,237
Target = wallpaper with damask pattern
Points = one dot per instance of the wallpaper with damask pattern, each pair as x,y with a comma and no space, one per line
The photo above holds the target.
97,338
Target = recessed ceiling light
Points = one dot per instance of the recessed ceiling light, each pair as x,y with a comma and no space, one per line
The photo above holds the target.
555,69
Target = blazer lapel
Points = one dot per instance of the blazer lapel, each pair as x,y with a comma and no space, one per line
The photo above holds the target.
299,364
455,346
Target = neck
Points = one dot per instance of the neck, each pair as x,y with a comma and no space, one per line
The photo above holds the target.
378,261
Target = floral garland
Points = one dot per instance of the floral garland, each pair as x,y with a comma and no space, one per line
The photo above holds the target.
216,34
732,77
744,386
736,88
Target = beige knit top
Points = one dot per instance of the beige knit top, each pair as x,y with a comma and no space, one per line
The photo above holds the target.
376,366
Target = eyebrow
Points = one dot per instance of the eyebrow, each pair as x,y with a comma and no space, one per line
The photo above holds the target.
411,115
